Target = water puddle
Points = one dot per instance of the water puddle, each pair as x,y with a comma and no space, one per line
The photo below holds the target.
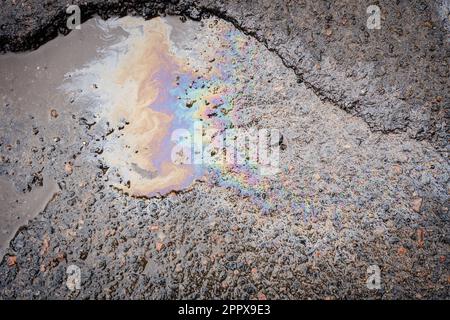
28,95
145,82
17,208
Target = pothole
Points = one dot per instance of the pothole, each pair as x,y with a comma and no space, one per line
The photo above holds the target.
134,85
97,110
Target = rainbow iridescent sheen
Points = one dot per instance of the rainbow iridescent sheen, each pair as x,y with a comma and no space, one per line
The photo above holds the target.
212,99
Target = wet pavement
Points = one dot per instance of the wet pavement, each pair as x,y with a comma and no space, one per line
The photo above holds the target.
93,111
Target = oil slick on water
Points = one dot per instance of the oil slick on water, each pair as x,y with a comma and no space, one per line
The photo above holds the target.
150,85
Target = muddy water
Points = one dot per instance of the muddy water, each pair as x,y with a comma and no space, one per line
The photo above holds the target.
16,208
28,92
28,80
